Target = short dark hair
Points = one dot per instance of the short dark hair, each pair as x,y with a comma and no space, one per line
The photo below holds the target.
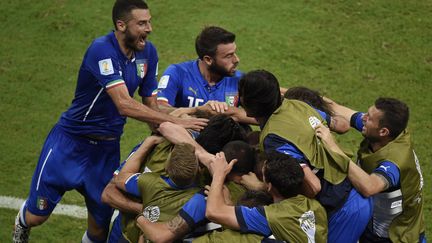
255,198
122,9
220,130
310,96
245,155
284,173
210,37
395,115
259,93
182,167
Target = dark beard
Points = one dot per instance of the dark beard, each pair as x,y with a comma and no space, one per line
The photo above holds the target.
216,69
130,40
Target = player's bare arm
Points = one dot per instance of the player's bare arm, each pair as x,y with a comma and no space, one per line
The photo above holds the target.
117,199
366,184
217,210
177,134
133,164
127,106
159,232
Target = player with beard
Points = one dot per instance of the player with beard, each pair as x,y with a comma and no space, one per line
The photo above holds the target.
86,140
211,79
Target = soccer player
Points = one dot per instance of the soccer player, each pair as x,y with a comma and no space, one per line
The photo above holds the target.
389,171
211,81
220,130
288,126
85,140
213,76
291,218
162,196
182,224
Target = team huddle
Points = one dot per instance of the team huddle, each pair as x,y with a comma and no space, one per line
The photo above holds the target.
204,175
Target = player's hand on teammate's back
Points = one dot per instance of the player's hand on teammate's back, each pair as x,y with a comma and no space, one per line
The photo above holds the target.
196,124
218,106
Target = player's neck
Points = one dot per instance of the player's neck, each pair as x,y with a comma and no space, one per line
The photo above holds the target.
378,144
209,76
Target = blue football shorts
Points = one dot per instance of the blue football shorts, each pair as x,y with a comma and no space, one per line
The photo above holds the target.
72,162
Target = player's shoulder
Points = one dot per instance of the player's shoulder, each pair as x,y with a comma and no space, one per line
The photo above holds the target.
186,66
102,46
180,69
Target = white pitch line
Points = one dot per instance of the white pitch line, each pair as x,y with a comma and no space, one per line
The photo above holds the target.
61,209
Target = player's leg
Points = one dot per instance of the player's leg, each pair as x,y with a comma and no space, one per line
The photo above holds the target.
349,222
105,159
49,183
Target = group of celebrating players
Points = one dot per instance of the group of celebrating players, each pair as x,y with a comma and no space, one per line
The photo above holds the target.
204,175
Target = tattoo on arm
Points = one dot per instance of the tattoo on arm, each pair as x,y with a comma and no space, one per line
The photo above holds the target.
178,226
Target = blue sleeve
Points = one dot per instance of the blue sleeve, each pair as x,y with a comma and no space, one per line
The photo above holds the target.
116,172
356,121
273,142
131,185
101,61
149,84
169,85
324,115
252,220
193,212
390,171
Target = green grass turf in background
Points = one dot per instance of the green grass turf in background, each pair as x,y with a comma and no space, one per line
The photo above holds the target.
352,51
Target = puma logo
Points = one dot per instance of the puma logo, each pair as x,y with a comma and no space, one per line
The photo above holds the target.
193,91
384,167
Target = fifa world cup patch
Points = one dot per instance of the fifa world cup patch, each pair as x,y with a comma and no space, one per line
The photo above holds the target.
42,203
152,213
141,67
163,82
106,67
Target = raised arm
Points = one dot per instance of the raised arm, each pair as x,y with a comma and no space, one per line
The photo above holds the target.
133,164
217,210
177,134
340,111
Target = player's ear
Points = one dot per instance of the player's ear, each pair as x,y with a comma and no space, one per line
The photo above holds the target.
208,60
121,25
383,132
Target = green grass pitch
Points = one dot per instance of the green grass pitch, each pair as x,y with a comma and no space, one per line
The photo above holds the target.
352,51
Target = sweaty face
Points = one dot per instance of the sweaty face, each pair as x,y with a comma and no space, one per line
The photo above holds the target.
225,61
371,124
137,29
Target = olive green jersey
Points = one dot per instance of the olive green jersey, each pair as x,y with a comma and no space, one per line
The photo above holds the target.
228,236
162,200
297,219
407,224
296,121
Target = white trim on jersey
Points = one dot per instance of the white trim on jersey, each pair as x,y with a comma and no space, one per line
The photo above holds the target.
43,166
92,104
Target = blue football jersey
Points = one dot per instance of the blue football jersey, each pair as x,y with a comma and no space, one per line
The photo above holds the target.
104,66
182,85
